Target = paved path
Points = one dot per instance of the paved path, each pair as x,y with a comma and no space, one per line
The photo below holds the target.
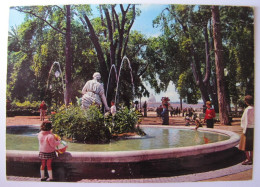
236,172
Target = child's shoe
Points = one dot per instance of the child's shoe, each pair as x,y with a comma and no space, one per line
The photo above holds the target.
50,180
44,179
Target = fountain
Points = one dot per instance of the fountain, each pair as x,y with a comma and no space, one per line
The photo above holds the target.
159,151
113,67
118,77
165,151
57,74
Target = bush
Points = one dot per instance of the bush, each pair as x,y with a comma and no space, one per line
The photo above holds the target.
85,126
26,108
90,126
124,121
26,105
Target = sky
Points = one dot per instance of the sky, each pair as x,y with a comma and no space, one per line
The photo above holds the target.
143,23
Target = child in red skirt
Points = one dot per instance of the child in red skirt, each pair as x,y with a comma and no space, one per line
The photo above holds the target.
47,143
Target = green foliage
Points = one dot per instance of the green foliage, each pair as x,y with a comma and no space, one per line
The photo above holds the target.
90,126
85,126
26,108
124,121
182,25
28,104
16,105
33,46
238,35
187,88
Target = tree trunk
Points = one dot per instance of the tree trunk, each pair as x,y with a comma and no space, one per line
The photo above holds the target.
223,112
180,103
197,75
114,55
195,66
94,39
67,94
214,97
208,65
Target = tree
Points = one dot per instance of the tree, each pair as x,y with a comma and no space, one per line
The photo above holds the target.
237,25
20,77
223,112
111,40
185,30
183,49
46,15
109,36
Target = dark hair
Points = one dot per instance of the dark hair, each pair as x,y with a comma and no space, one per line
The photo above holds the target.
46,126
249,99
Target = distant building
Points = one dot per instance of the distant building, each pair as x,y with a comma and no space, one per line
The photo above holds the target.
151,99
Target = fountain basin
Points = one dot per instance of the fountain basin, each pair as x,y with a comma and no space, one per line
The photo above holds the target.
100,164
139,155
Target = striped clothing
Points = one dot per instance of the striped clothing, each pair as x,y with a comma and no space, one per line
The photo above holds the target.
47,156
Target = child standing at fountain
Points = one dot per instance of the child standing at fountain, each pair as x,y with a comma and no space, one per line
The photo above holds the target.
113,108
47,143
210,115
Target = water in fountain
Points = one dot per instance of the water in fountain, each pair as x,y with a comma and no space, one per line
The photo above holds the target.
132,81
57,74
112,67
158,138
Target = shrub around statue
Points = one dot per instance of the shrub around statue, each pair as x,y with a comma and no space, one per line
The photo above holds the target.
90,125
85,126
124,121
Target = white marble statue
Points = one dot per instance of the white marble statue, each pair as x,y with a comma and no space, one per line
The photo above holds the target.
93,93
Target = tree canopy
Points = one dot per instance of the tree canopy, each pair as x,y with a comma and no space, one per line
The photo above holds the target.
83,44
184,53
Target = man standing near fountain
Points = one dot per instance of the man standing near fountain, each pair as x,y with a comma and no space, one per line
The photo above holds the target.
93,93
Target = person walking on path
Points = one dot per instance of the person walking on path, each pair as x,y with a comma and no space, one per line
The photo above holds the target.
145,109
209,115
159,111
247,124
43,109
47,144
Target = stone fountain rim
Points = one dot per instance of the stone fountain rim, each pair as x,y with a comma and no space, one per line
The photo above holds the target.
136,155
